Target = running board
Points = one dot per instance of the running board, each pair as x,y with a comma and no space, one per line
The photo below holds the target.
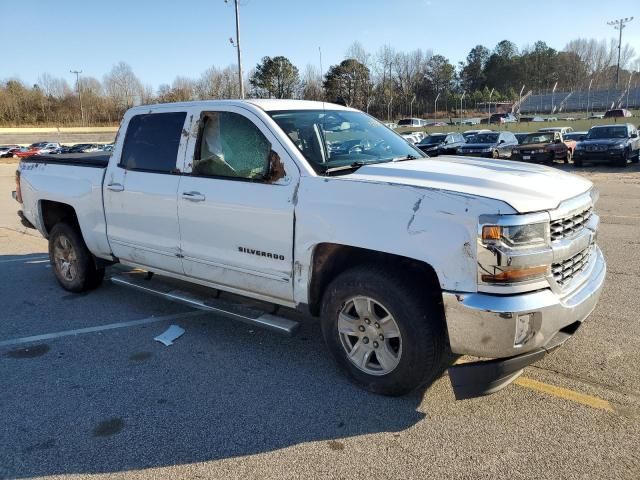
169,289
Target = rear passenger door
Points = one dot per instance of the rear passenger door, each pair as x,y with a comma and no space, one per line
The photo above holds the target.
140,191
236,227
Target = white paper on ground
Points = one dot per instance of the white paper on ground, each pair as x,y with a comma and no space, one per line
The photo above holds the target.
171,334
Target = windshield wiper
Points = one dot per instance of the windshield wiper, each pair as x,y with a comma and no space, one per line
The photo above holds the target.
402,159
352,166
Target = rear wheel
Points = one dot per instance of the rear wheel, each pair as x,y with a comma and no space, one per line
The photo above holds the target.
72,262
495,154
381,331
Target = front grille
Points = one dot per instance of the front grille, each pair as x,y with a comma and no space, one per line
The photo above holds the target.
569,226
563,272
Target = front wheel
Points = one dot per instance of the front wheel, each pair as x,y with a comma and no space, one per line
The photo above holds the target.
72,262
569,157
381,331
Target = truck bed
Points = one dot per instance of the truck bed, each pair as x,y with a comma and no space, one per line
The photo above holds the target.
95,159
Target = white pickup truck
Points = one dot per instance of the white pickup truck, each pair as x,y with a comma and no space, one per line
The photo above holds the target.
321,208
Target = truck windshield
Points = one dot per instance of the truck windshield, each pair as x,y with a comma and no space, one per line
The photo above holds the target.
335,138
607,132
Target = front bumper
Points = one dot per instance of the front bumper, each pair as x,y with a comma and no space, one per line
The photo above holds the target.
602,156
484,325
534,157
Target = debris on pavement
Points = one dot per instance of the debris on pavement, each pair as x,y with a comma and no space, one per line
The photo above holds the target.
170,335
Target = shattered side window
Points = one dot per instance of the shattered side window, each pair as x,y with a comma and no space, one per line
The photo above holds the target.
230,145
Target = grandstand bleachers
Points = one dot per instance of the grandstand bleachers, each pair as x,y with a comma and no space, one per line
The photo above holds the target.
599,101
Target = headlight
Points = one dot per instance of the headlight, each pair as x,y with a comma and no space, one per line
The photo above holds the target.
541,150
516,236
579,146
511,254
514,152
488,149
617,146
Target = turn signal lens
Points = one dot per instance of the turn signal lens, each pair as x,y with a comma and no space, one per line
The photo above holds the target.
491,233
515,275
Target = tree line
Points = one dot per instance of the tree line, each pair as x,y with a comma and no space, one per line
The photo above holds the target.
387,83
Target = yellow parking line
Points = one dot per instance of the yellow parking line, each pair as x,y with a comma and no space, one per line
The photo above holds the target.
588,400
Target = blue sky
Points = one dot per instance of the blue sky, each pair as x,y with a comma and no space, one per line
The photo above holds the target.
161,39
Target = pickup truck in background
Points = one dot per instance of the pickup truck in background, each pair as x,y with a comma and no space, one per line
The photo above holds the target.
320,208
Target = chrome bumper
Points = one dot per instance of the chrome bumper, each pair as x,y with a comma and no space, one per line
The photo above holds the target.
484,325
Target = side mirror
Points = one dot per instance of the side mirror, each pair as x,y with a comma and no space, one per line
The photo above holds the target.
634,135
501,141
274,168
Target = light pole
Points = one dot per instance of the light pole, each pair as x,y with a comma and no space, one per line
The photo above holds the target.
389,109
553,98
461,110
520,98
589,96
629,88
490,95
619,25
435,107
77,74
411,106
237,45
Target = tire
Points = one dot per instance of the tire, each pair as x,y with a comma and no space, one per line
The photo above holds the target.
495,154
414,330
569,157
71,261
622,161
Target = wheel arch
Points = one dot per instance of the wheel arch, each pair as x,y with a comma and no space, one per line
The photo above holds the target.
331,259
52,212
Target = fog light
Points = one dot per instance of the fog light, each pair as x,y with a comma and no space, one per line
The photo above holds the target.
523,329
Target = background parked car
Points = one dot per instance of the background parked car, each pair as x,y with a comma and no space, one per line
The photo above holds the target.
81,148
412,137
6,149
493,145
616,144
544,147
563,130
412,122
441,143
618,113
470,133
45,147
521,136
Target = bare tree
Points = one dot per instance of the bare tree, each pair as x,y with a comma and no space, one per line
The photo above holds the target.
122,86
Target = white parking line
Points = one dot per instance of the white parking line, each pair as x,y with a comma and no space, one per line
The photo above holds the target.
99,328
25,260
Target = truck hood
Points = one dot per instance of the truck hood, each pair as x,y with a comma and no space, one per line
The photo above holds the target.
526,187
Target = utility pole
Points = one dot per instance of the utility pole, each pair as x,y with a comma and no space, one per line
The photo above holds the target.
589,97
77,74
490,95
237,45
435,107
619,25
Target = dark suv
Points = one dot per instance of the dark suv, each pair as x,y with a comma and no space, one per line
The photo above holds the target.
441,143
493,145
615,144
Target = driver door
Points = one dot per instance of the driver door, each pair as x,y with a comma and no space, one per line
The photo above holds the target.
236,227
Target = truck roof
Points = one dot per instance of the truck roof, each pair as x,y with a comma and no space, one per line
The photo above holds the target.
262,103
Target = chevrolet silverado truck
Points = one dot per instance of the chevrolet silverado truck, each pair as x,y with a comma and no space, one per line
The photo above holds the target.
256,208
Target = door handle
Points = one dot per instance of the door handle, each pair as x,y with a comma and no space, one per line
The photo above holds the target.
193,196
115,187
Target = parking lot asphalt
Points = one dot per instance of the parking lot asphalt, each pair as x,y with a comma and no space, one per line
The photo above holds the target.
100,397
